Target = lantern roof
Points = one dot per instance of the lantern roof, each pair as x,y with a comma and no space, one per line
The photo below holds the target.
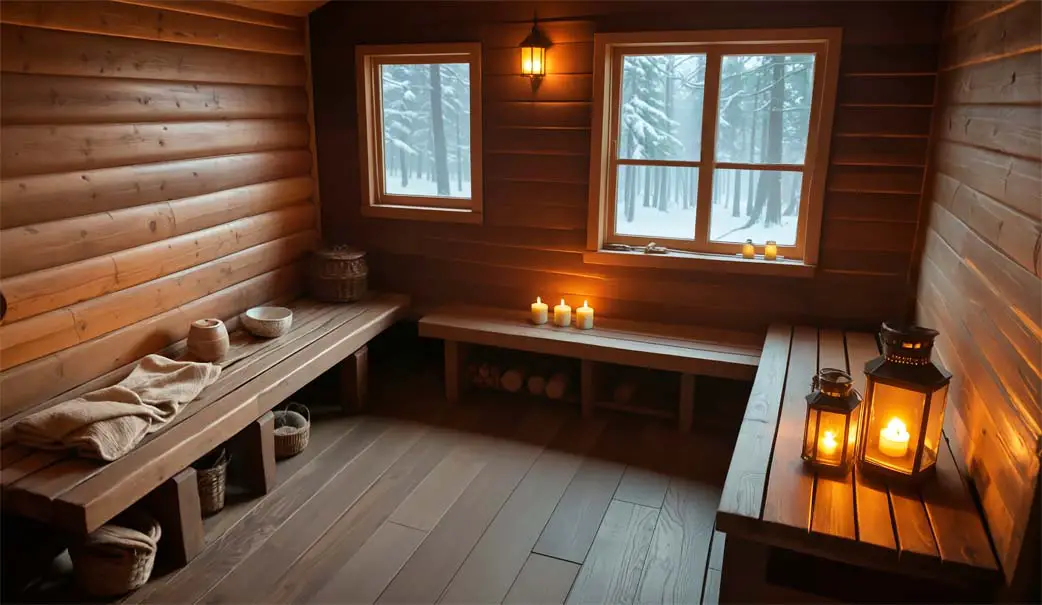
928,377
535,38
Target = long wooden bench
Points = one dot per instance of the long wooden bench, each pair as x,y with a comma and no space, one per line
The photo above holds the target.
689,350
773,506
79,495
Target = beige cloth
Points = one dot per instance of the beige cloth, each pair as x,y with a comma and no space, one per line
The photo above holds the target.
109,422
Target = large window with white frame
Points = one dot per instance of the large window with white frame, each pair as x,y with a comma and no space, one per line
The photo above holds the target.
703,140
420,131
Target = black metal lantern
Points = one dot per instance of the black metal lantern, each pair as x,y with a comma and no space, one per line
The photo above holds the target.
831,429
905,397
533,54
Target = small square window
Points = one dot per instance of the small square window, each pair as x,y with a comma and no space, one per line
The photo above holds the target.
420,122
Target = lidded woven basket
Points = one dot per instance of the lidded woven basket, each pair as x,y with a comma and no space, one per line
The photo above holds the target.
338,274
292,430
118,557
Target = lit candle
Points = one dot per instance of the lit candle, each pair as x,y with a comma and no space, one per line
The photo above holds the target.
748,249
893,439
770,251
539,310
562,315
584,317
828,445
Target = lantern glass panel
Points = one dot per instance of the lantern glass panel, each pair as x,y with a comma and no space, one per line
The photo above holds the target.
894,424
933,427
830,438
809,434
533,61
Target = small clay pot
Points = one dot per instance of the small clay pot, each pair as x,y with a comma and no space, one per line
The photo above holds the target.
208,339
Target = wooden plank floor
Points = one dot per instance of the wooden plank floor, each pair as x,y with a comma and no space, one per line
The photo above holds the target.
493,501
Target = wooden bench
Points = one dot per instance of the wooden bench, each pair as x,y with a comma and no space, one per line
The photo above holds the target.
79,495
772,506
688,350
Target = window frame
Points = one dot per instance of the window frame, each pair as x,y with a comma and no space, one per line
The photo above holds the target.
609,52
368,60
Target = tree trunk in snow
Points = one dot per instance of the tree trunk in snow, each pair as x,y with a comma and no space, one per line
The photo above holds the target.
774,142
441,165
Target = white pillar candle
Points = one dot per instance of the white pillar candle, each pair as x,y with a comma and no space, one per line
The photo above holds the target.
562,315
770,250
539,311
748,249
893,439
584,316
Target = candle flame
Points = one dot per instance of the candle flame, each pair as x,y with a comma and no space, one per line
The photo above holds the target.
538,300
562,302
829,443
897,427
586,303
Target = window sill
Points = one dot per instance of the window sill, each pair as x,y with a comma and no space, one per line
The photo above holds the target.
710,263
423,213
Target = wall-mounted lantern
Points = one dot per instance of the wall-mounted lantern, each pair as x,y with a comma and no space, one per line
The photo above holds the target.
831,428
905,397
533,55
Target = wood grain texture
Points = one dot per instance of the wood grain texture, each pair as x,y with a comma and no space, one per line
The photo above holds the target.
542,580
537,160
148,23
834,510
42,99
982,244
29,150
39,51
439,490
680,546
367,573
611,574
222,10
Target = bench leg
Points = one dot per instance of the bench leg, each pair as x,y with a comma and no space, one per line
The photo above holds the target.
256,446
687,402
587,387
354,380
454,353
175,504
744,574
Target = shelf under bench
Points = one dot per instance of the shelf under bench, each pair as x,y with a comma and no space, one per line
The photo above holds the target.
689,350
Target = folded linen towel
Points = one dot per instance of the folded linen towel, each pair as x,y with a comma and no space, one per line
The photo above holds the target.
109,422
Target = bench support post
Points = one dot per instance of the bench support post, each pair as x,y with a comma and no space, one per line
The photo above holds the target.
587,387
687,402
455,358
175,504
354,380
744,572
256,445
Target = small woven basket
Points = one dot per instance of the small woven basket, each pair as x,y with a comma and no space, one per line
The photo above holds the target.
106,567
338,274
211,472
292,430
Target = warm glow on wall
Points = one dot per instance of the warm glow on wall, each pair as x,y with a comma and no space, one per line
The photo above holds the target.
533,54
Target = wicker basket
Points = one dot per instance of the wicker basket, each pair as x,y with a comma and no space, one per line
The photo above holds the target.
292,430
106,564
338,274
211,472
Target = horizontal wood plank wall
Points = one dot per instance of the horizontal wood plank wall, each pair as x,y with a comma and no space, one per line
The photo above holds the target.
980,276
155,170
537,148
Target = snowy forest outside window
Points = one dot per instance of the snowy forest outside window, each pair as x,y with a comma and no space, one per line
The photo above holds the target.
707,139
420,130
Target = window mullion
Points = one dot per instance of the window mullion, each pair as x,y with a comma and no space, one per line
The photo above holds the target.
710,105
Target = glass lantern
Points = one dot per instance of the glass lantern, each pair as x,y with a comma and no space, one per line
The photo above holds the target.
905,397
533,53
831,429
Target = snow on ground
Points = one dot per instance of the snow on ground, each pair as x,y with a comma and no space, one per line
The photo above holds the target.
679,223
424,188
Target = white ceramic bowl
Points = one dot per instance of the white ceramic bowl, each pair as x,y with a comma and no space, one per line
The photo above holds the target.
268,322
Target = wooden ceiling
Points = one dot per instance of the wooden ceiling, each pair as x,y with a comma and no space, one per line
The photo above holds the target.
294,8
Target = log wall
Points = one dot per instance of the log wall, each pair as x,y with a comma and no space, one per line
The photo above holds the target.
536,162
980,275
154,169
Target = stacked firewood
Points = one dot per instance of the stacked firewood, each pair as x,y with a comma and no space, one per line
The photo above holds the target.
518,378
